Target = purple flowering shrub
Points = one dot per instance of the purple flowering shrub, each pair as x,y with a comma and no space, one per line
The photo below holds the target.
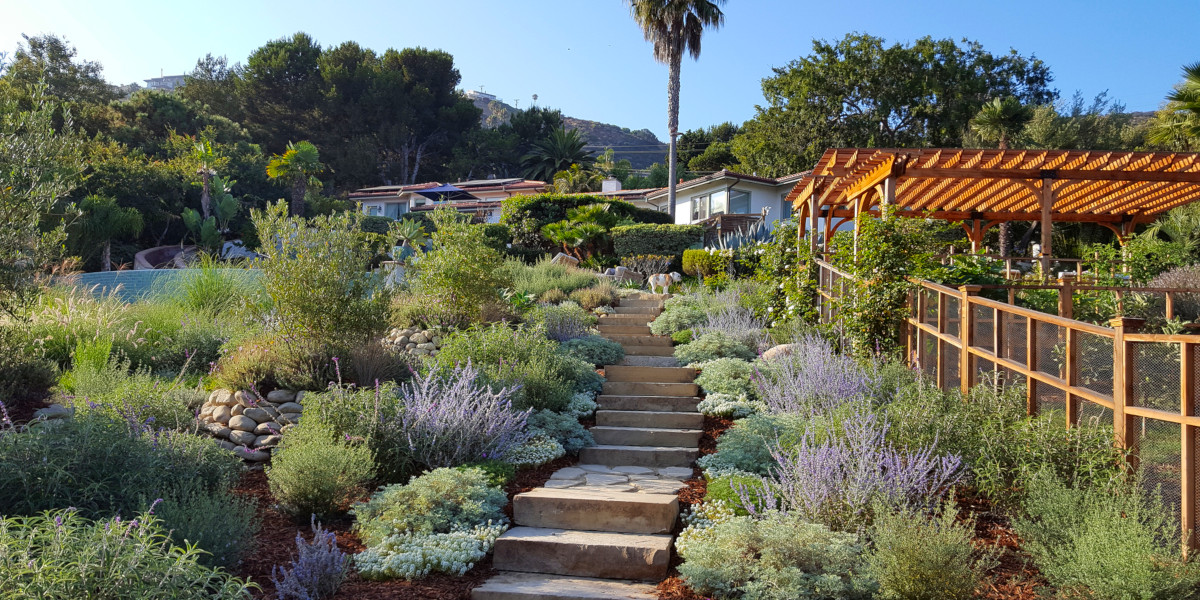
811,378
838,480
738,323
560,323
317,571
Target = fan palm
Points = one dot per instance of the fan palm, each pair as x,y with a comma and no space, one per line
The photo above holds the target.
1180,224
675,27
298,167
1187,94
205,158
999,121
557,152
576,180
101,221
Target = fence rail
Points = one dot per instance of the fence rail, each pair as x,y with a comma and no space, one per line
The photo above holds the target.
1144,384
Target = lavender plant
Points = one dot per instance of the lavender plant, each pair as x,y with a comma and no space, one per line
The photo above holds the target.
811,377
738,323
837,481
318,570
451,417
561,323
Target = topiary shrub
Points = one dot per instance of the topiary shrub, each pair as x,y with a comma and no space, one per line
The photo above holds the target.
711,346
314,473
527,215
667,240
594,349
730,376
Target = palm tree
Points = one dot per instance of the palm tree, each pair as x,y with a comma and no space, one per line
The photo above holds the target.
1186,96
101,221
999,121
298,166
1182,225
557,152
675,28
205,158
576,180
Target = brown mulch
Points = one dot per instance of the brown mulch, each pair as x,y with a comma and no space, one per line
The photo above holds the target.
713,428
1015,578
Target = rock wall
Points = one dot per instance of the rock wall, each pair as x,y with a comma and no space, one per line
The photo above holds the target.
248,424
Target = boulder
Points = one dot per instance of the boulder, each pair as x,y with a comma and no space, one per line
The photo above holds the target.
289,418
409,346
564,259
242,438
268,428
300,397
245,399
252,455
290,407
418,339
779,351
218,430
266,441
226,444
426,346
258,414
242,423
237,409
221,414
221,397
54,411
400,341
206,411
281,396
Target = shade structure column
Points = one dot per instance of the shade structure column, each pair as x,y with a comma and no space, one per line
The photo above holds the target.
1048,197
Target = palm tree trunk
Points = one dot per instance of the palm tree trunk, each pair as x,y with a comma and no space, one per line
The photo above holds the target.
106,256
672,128
205,207
299,190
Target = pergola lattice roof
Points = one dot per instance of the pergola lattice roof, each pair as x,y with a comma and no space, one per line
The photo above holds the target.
1002,185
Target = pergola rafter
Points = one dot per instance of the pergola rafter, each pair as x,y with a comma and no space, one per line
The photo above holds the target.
1116,189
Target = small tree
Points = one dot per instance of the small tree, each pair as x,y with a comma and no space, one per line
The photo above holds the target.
460,272
103,220
298,167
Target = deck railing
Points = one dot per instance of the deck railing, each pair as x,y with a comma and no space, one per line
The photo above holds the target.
1145,385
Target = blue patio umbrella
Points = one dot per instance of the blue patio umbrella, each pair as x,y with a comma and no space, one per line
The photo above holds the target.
446,192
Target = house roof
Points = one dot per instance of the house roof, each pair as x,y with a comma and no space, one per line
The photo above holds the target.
1005,185
474,186
727,174
461,205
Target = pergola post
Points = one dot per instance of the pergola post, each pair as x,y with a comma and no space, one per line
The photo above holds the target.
814,213
1048,197
887,195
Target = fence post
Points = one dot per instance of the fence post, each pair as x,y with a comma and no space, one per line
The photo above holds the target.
1066,296
942,318
1031,363
1123,429
1170,305
1187,394
966,333
1072,376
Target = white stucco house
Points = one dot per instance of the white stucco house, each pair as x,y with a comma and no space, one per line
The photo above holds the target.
728,193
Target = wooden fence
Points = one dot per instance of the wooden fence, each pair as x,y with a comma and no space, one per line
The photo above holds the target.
1145,385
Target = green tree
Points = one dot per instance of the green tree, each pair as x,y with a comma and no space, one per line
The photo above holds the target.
1000,121
213,83
460,272
39,165
298,167
279,91
206,161
1186,96
577,180
557,152
50,59
675,28
859,92
1180,225
101,221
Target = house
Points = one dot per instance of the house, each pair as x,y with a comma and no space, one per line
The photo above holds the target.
166,83
478,197
611,188
721,196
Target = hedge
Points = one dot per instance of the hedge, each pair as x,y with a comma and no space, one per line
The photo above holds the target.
526,215
498,236
703,263
669,240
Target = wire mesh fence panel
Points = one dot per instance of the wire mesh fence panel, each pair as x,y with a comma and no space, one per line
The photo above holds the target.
1012,336
1051,349
1094,362
1154,377
953,325
931,307
950,369
1052,401
1159,460
929,353
1196,484
1095,415
983,327
984,370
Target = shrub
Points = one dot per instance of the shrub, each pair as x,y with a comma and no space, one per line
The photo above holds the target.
316,273
527,215
727,489
498,236
746,447
677,317
212,287
552,296
727,406
565,429
667,240
537,450
459,273
683,337
779,556
841,481
712,346
582,374
581,405
648,264
113,390
543,276
591,298
499,473
317,571
730,376
1187,306
560,323
314,473
918,558
371,362
705,263
594,349
735,322
811,377
61,554
446,511
514,357
219,522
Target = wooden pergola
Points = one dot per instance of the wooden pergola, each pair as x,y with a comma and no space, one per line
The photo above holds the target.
982,188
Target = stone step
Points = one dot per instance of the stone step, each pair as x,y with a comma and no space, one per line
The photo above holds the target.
649,418
647,350
645,436
649,374
648,403
642,388
628,317
637,310
611,330
596,510
607,555
641,302
640,340
649,361
511,585
639,456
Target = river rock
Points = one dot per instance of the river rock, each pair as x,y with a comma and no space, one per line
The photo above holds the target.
226,444
281,396
252,455
245,399
290,407
266,441
242,438
289,418
242,423
206,411
221,414
400,341
236,410
300,397
221,397
218,430
426,346
54,411
259,415
419,339
409,346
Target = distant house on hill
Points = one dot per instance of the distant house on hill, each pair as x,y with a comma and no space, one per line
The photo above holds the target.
477,197
729,197
166,83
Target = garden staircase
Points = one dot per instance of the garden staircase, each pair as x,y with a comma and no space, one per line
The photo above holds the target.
607,538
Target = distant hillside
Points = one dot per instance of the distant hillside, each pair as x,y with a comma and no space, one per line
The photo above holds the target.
641,147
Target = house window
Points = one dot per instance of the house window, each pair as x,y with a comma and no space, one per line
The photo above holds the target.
718,203
699,207
739,202
374,210
785,212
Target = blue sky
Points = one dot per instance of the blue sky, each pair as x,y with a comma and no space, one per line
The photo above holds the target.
588,58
